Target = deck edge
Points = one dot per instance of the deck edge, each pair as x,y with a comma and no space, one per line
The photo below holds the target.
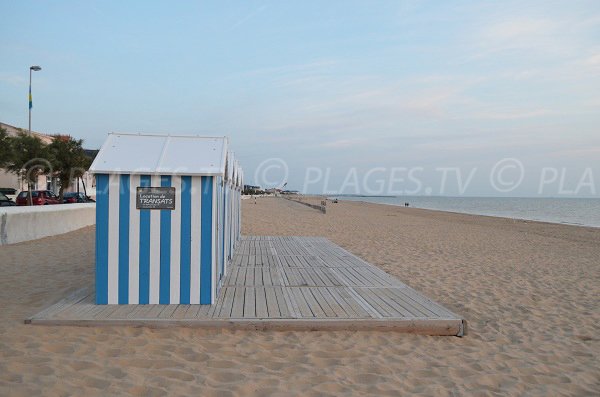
442,327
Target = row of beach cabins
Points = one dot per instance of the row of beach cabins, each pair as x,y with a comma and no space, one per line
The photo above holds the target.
167,218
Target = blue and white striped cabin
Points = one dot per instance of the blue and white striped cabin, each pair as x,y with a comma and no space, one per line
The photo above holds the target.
164,256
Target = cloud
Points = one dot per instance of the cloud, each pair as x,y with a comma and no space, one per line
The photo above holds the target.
510,114
578,152
343,143
517,30
291,70
13,79
247,17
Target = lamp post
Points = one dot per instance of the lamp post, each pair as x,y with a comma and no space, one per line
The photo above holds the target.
31,69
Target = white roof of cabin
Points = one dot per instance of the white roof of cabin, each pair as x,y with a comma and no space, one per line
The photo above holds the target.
239,174
161,154
230,169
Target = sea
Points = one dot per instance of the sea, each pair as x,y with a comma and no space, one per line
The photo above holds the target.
571,211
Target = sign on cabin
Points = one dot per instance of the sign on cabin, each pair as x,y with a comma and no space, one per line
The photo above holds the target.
155,198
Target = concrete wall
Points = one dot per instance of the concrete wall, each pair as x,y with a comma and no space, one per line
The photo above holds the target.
319,207
29,223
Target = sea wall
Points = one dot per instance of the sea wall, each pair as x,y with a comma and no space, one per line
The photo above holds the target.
29,223
319,207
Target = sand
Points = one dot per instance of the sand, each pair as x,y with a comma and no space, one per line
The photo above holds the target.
530,292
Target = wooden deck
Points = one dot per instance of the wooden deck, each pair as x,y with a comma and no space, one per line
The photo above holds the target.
300,283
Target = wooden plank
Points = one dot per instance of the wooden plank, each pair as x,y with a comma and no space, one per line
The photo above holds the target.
320,277
231,276
249,302
95,310
399,305
284,303
315,306
381,307
73,297
298,298
198,312
152,311
363,303
291,303
353,280
134,313
310,279
261,303
249,277
272,306
428,309
125,312
351,307
105,311
258,276
266,273
181,311
342,279
278,277
375,299
168,311
325,303
76,308
237,310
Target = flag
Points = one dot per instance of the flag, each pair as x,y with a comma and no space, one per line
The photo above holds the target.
30,99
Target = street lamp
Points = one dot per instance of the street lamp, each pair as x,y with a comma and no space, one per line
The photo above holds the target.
31,69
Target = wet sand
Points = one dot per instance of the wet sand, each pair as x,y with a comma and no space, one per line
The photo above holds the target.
530,292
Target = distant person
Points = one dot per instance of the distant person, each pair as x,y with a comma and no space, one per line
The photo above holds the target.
254,199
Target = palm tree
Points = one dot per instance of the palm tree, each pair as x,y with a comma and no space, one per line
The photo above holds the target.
27,158
68,160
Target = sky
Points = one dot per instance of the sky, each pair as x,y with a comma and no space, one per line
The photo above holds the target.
469,98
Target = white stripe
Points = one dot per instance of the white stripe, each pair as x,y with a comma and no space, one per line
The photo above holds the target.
226,217
175,240
134,242
154,249
113,239
195,237
215,251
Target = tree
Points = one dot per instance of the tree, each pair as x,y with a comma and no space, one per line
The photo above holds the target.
68,160
5,148
28,158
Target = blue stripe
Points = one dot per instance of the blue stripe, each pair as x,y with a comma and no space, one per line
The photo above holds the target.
206,240
124,240
145,181
165,249
101,239
186,236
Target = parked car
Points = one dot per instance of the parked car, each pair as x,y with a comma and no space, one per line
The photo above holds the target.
5,201
76,197
39,197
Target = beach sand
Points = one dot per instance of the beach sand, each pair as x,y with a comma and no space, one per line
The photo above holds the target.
529,291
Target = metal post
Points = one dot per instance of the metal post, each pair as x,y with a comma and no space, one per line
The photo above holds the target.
31,69
30,72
